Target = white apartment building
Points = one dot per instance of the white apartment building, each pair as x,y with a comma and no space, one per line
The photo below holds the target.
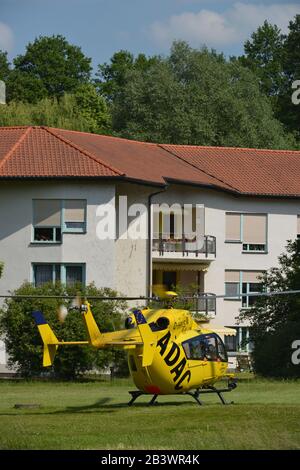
56,186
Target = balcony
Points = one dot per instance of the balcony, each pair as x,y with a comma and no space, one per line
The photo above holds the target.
202,305
203,248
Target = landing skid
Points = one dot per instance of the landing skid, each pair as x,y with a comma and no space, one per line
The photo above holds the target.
196,394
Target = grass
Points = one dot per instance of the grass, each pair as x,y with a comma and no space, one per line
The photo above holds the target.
95,415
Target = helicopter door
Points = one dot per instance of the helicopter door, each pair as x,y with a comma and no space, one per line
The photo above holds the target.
204,350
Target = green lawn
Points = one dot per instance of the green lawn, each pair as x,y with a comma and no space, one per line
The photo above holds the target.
94,415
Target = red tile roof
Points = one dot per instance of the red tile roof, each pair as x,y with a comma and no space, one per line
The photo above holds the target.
38,152
248,171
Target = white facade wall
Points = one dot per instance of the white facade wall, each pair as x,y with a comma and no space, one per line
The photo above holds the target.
122,264
281,226
18,253
132,254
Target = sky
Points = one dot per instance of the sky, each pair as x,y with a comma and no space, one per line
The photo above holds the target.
102,27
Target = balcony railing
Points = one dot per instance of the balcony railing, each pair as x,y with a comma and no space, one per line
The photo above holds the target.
204,244
201,305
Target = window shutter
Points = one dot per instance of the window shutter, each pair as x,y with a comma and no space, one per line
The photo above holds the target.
251,276
47,213
178,225
232,289
74,274
255,228
232,276
233,227
199,216
74,210
155,223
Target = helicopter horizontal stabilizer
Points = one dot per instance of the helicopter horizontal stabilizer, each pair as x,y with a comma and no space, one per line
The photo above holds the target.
49,339
147,336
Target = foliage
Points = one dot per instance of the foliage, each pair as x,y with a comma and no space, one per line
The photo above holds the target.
264,56
114,76
92,109
196,97
289,112
1,268
23,342
275,60
4,66
84,110
275,320
50,67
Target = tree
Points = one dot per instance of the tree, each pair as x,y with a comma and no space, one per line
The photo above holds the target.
23,343
196,97
84,111
264,56
275,59
113,76
4,66
275,320
289,113
50,67
92,108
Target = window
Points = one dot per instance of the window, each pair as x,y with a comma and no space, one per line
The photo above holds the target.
233,227
254,247
232,284
68,274
242,282
239,343
52,217
205,348
74,215
74,274
177,222
169,279
232,289
250,288
47,220
248,229
230,343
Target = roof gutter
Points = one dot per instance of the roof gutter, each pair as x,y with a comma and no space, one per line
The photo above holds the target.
149,247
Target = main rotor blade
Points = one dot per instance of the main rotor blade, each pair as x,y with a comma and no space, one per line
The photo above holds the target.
184,297
240,295
70,297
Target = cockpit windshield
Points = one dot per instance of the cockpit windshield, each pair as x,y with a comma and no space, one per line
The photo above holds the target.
207,347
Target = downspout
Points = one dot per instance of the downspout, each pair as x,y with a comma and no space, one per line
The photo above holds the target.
149,248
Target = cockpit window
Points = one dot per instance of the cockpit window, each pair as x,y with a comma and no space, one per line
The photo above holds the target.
205,348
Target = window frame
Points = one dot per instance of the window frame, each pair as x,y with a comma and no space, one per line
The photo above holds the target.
63,267
217,341
238,296
241,282
241,241
248,348
54,229
248,291
63,228
249,250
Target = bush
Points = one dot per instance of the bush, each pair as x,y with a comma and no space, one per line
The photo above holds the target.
23,342
275,320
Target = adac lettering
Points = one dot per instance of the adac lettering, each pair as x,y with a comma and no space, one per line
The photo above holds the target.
172,359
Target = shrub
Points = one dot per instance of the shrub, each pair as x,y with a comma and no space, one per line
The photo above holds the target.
23,342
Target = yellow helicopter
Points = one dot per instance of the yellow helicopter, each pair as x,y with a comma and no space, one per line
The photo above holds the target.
168,351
